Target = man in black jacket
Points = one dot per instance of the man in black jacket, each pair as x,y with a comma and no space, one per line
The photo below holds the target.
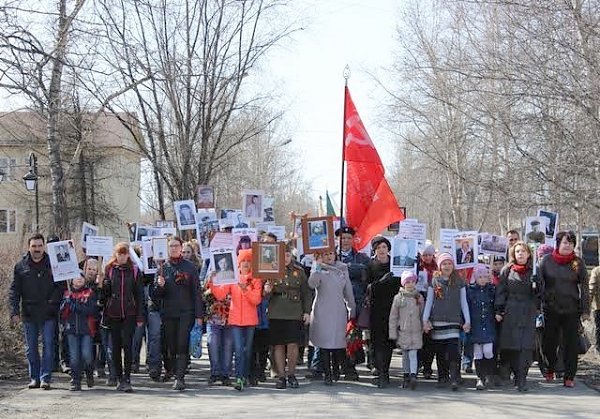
34,299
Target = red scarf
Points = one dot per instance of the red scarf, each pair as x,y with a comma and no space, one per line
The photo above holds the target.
520,269
175,261
562,259
430,268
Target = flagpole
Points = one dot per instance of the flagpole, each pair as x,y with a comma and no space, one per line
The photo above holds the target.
346,77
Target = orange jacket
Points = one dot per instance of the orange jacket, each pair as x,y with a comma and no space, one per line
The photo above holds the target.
242,311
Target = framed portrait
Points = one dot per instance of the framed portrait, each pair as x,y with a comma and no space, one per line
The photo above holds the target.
205,197
160,248
88,229
464,250
63,260
224,263
551,225
404,255
252,205
535,229
317,234
268,260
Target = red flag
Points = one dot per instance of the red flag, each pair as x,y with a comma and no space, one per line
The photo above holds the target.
370,203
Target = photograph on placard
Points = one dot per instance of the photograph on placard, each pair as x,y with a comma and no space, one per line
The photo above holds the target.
279,231
224,264
465,251
446,239
317,234
207,225
185,212
63,260
205,197
268,260
491,244
268,212
535,229
145,231
404,255
88,229
243,238
551,224
99,246
252,205
148,257
160,248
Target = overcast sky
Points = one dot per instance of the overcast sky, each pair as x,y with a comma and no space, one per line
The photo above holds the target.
309,72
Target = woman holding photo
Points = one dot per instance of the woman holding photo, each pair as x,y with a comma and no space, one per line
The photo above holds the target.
289,306
516,305
566,302
123,301
333,306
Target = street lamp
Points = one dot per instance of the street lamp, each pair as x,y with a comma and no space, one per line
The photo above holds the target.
31,183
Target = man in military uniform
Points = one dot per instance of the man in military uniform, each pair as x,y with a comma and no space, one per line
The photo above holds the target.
357,268
535,235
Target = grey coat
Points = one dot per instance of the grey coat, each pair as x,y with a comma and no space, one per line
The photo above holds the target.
332,307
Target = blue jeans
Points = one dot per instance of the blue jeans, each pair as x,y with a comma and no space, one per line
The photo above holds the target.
81,357
220,349
154,355
106,349
242,342
40,371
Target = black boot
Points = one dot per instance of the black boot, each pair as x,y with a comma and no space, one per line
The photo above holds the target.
454,375
405,380
180,369
479,368
326,361
336,362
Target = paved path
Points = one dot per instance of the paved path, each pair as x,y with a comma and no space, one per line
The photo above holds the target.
312,399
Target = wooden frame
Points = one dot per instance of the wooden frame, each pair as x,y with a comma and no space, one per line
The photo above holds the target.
314,242
274,267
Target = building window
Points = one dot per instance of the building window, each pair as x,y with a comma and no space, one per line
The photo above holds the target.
8,221
7,167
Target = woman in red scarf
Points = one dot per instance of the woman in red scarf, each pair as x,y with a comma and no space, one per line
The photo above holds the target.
566,298
516,305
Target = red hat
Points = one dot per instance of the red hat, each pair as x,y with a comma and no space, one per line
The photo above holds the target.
244,255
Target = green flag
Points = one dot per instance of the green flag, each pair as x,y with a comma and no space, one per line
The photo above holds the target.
330,210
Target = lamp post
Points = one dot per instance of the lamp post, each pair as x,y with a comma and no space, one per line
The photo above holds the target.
31,183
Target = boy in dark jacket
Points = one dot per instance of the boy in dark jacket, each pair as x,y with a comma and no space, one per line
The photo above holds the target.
78,314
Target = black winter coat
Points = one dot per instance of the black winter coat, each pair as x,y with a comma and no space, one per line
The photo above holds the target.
33,293
517,301
181,295
123,292
382,294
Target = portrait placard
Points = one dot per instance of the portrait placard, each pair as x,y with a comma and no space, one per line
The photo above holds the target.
279,232
88,229
185,211
205,197
224,263
148,264
206,225
535,229
164,223
145,231
491,244
268,212
135,258
464,249
551,225
268,260
263,226
63,260
317,234
446,239
252,205
243,238
99,246
404,255
160,248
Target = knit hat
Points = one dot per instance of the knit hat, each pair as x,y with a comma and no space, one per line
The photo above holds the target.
428,250
480,270
244,256
444,257
407,276
378,240
543,250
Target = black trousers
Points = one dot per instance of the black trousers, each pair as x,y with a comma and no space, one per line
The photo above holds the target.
447,357
426,354
597,321
519,361
177,340
383,355
565,326
121,333
332,359
260,352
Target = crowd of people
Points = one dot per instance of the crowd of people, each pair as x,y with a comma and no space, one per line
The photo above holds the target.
338,308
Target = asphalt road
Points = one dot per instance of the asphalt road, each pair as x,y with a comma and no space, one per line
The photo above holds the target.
312,399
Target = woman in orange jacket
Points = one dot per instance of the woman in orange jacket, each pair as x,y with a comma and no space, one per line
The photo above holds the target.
243,316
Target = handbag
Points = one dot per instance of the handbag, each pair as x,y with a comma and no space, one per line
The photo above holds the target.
364,317
584,343
196,341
